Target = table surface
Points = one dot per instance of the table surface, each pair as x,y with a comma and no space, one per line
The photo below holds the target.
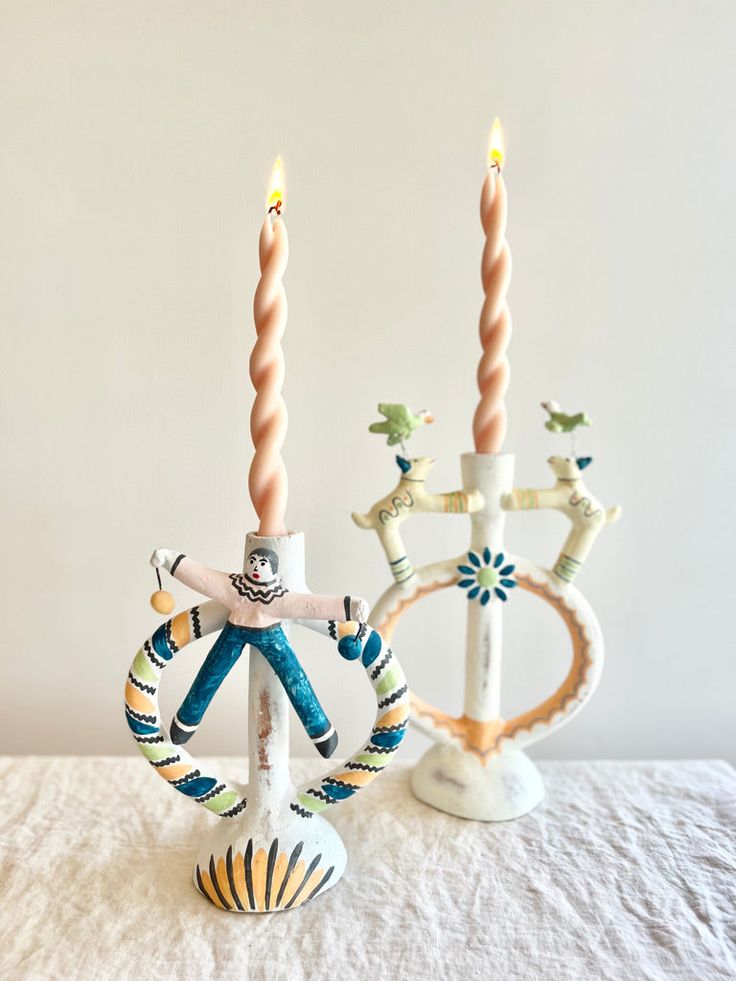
626,869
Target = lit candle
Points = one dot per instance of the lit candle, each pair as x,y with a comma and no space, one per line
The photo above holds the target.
267,480
489,422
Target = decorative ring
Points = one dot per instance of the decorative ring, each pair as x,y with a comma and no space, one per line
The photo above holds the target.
226,798
484,739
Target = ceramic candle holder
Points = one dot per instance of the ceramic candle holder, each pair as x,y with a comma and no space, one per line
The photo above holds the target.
477,768
273,849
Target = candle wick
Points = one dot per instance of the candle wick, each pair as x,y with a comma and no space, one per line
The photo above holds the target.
276,207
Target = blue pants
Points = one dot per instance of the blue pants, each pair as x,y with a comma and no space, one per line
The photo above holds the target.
272,643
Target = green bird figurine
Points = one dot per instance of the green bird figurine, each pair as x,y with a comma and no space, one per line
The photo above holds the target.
400,422
561,422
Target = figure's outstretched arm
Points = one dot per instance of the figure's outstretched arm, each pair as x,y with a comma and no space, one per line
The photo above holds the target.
209,582
307,606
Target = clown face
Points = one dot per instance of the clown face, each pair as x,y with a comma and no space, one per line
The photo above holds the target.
262,567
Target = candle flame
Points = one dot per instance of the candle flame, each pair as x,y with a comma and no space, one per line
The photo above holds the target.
496,146
276,188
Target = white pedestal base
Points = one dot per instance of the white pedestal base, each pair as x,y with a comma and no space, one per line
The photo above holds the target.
248,865
508,787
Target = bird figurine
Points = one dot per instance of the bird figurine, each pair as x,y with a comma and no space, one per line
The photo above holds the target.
400,422
561,422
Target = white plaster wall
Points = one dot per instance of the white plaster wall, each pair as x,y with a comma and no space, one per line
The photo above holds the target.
137,142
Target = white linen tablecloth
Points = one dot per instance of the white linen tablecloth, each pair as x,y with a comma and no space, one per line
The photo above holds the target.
625,870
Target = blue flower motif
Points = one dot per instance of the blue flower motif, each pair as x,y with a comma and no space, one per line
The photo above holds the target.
485,576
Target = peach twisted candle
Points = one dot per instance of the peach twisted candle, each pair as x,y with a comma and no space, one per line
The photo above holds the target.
267,480
489,421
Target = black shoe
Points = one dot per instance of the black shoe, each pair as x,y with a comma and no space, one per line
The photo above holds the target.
327,743
179,734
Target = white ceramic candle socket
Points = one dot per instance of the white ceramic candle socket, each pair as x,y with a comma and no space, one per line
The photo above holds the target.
273,849
478,769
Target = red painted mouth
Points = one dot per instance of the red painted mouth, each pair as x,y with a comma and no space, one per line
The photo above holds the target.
256,576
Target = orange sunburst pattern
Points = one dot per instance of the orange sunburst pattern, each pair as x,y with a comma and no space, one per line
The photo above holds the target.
262,881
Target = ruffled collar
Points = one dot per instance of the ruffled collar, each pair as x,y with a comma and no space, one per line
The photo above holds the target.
255,593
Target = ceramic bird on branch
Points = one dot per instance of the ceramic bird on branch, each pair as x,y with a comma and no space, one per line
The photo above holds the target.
399,422
562,422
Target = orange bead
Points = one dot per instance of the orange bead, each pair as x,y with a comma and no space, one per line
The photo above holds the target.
162,602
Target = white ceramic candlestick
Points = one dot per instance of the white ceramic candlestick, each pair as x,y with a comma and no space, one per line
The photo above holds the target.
478,769
492,475
449,778
269,831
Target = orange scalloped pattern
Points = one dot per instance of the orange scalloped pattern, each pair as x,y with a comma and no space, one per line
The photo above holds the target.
485,739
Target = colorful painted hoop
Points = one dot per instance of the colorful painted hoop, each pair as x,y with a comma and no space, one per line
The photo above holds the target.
226,798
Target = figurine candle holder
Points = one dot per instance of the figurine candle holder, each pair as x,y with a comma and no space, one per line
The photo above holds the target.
478,768
273,850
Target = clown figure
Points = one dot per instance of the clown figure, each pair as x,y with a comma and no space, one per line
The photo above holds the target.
257,601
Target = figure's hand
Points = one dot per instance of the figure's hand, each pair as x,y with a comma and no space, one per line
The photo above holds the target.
508,502
158,558
359,609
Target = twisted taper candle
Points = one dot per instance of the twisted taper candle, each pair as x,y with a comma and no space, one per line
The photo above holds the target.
267,480
489,422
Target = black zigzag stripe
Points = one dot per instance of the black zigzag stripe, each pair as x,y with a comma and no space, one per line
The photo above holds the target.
381,665
148,689
167,762
218,789
149,739
196,625
240,806
320,795
155,661
395,697
342,783
185,779
139,717
380,750
173,646
300,811
364,766
397,728
331,629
